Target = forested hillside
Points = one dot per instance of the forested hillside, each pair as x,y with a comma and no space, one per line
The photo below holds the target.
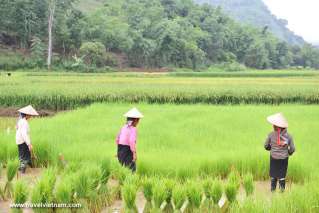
139,33
256,13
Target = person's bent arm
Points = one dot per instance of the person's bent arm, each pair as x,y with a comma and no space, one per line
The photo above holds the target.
267,144
133,143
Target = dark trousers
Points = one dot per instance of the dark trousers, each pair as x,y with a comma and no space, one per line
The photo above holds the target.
24,156
278,172
125,157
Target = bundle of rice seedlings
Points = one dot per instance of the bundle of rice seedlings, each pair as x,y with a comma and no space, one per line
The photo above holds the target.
64,194
42,193
169,185
234,177
121,173
248,183
129,191
12,168
159,194
213,191
82,189
179,197
147,184
216,191
95,175
82,185
106,170
194,195
231,191
20,194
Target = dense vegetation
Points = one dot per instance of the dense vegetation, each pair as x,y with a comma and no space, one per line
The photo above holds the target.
60,91
139,33
256,13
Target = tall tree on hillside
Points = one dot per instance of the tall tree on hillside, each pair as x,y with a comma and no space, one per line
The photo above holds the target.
51,8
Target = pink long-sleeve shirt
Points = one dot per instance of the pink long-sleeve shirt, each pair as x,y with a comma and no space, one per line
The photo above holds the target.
127,136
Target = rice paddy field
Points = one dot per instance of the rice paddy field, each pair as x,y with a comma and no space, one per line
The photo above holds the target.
200,144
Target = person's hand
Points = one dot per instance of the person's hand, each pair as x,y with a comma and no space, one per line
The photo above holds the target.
30,147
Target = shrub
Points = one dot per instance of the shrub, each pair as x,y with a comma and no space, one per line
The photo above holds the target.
12,168
93,53
20,194
129,196
179,196
194,195
231,192
248,183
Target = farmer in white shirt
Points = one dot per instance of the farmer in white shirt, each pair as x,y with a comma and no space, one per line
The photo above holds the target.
23,137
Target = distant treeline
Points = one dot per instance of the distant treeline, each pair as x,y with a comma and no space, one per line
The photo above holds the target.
144,33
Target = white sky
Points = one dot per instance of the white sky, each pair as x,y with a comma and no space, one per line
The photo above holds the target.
302,16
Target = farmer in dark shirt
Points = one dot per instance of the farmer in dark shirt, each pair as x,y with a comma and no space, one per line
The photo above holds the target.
281,146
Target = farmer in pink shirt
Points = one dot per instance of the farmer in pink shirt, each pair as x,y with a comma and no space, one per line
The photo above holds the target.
126,140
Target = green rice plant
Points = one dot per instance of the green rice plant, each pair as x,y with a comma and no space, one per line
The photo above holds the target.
194,195
213,190
121,173
234,177
42,193
104,195
159,194
179,196
95,176
82,185
64,193
12,168
248,183
106,170
129,191
44,154
147,185
169,185
231,191
20,194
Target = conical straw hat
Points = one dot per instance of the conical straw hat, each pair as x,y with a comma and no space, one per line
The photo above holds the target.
278,120
28,110
133,113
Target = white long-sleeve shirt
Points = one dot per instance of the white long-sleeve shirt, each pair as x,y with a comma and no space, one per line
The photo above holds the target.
23,132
